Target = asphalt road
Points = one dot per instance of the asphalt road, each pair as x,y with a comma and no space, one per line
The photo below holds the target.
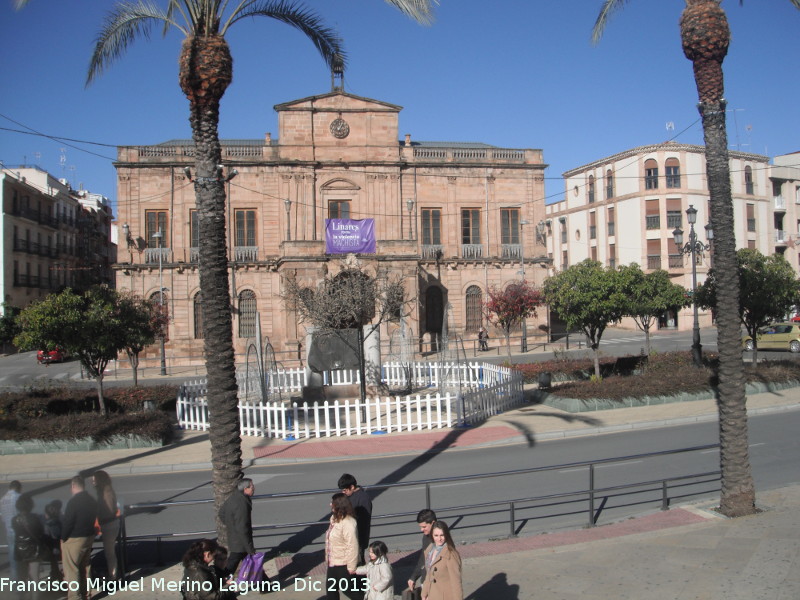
775,451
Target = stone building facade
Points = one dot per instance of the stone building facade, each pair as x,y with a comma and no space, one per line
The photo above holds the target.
452,219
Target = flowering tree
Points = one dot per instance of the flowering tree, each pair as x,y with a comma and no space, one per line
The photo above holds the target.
507,308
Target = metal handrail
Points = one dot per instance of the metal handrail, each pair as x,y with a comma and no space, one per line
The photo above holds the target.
592,492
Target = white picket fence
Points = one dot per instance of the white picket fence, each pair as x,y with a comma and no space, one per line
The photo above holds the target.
486,390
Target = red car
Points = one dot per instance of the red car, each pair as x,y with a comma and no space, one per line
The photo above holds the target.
45,357
796,319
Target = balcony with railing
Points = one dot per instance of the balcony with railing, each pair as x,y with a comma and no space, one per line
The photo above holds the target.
781,236
151,255
471,251
512,251
778,202
654,261
245,253
675,261
432,251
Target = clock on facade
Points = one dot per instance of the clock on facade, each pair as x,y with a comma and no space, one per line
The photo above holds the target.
339,128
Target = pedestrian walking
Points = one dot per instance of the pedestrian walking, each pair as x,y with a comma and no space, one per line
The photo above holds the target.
8,510
425,519
108,520
362,509
30,548
442,566
341,551
379,580
483,339
77,535
203,579
236,514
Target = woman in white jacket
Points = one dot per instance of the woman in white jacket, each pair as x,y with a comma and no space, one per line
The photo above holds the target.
380,581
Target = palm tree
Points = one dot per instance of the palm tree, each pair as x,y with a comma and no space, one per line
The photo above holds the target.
705,36
205,71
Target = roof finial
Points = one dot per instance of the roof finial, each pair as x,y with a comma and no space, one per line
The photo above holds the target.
337,74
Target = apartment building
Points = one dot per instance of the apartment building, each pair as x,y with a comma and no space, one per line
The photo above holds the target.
624,209
784,176
54,237
449,218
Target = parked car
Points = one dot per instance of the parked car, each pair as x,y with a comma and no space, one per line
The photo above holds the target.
795,319
45,357
778,336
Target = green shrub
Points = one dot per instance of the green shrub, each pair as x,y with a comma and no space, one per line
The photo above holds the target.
68,413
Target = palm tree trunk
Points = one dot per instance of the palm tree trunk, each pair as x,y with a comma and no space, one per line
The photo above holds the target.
206,68
705,37
738,491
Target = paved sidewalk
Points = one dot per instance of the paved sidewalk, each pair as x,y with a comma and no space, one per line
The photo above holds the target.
686,553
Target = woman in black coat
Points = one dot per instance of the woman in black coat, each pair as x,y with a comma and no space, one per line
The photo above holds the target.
30,545
202,578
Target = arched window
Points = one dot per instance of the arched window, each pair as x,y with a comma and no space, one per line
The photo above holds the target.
199,334
591,188
609,184
673,172
247,314
474,305
650,174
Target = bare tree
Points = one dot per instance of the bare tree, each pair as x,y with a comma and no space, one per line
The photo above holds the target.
349,301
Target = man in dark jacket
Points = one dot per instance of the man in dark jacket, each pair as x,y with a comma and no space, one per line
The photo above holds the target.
362,507
236,514
425,519
77,536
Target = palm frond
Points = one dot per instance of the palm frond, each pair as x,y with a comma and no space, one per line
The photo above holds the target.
796,3
325,39
609,7
419,10
123,25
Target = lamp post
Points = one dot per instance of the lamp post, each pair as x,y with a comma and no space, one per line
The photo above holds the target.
287,204
524,343
158,235
693,247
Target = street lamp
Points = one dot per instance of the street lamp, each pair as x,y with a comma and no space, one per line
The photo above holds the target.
410,206
693,247
158,236
524,343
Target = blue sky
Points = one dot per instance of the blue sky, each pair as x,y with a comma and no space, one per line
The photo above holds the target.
519,74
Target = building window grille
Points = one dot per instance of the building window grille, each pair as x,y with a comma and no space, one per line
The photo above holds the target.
674,219
474,305
651,175
609,184
247,314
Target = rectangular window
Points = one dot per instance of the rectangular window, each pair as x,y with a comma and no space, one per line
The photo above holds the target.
653,254
155,221
245,228
509,224
751,217
611,223
612,256
470,226
651,178
339,209
431,226
673,176
652,215
674,219
564,259
593,226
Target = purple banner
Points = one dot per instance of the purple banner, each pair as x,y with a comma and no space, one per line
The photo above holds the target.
346,236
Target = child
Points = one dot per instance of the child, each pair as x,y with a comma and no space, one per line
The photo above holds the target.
379,573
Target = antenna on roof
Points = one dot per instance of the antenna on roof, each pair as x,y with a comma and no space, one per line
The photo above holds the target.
670,126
